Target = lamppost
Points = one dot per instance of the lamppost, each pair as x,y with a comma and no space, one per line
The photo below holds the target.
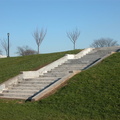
8,44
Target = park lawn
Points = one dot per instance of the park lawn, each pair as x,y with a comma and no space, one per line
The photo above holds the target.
92,94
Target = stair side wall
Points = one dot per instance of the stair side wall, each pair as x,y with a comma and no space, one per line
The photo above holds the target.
10,82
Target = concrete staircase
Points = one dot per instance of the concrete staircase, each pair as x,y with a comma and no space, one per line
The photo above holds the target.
28,89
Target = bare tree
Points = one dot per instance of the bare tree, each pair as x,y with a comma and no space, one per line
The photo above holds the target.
104,42
4,45
39,37
24,51
73,36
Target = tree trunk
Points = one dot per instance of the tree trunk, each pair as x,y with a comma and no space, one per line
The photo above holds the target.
38,49
74,45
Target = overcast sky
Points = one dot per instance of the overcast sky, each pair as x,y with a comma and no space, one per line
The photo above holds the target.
94,18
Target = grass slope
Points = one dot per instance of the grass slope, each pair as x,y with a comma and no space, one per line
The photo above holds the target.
10,67
91,95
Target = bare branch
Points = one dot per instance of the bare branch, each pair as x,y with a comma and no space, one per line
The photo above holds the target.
73,36
36,36
25,50
39,36
4,45
104,42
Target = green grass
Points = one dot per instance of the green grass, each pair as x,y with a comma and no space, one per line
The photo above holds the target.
91,95
10,67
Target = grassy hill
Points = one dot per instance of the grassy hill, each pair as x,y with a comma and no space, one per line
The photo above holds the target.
91,95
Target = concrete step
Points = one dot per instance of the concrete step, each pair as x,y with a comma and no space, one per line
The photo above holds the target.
88,59
32,85
23,95
67,69
76,62
15,97
35,82
70,68
41,79
27,88
20,91
72,65
60,75
56,72
90,55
